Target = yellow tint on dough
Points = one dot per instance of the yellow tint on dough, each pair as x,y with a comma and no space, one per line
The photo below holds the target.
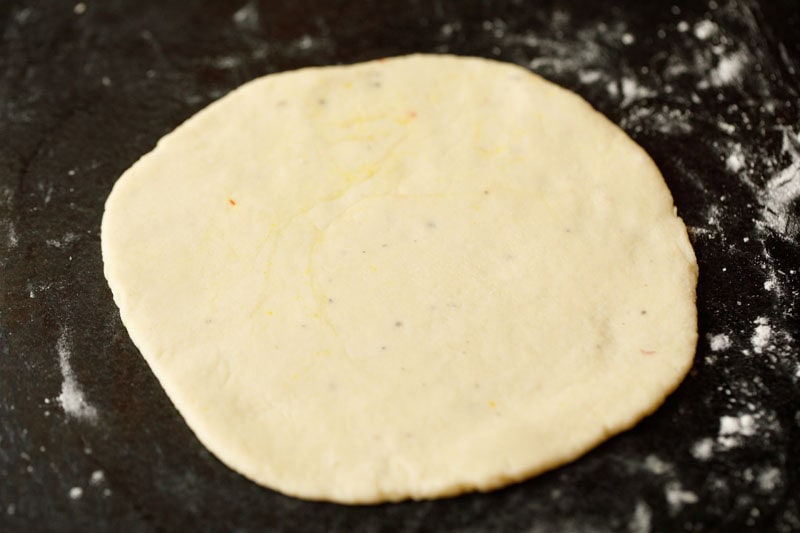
406,278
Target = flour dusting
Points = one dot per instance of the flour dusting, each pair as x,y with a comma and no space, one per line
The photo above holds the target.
769,479
719,342
641,519
632,91
729,69
762,334
782,192
72,399
11,235
97,478
703,449
735,160
734,429
677,497
247,17
703,29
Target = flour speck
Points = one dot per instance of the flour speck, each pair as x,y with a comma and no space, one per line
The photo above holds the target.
782,192
11,236
704,29
762,334
719,342
75,493
247,17
703,449
735,160
677,497
769,479
729,69
71,398
733,429
97,478
655,465
641,519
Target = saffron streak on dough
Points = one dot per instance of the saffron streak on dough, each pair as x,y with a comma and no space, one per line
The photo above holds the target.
406,278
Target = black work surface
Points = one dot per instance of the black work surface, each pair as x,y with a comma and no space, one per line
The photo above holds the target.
88,439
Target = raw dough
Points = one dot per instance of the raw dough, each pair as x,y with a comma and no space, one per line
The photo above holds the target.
406,278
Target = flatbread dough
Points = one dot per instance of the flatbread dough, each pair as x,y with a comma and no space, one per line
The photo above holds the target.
406,278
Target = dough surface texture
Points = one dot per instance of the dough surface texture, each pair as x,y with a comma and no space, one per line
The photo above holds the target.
406,278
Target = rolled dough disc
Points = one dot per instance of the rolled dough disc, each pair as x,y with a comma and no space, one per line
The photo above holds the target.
406,278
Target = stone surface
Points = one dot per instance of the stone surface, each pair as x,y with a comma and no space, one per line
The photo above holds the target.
89,441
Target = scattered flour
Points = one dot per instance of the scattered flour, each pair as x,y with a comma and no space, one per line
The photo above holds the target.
588,77
677,497
97,478
12,238
247,17
641,519
728,70
719,342
656,465
783,191
306,42
704,29
769,479
632,91
75,493
733,429
703,449
227,62
71,398
761,335
735,160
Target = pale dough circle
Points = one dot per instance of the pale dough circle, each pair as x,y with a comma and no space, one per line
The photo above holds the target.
406,278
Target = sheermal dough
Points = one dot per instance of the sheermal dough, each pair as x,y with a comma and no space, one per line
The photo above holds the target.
406,278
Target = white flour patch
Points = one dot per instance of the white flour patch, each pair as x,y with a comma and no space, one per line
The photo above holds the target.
677,497
97,478
782,192
75,493
762,334
734,429
769,479
69,238
641,519
12,238
227,62
703,449
728,70
247,17
730,129
656,465
71,398
719,342
587,77
735,160
703,29
632,91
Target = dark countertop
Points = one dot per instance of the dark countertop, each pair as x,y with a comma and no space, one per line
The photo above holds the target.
90,442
